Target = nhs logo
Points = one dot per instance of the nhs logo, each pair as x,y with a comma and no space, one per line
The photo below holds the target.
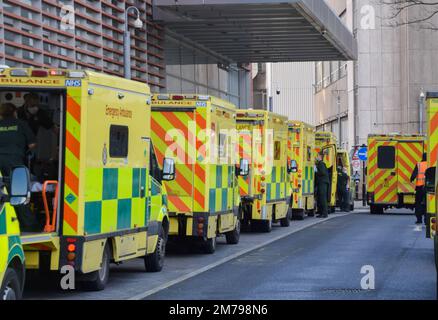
73,83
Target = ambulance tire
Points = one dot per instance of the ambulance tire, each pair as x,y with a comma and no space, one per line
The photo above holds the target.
298,215
285,222
311,213
11,289
265,226
99,278
154,262
233,237
376,209
209,245
332,209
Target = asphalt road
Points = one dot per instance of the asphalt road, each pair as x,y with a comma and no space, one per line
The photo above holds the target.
312,259
324,262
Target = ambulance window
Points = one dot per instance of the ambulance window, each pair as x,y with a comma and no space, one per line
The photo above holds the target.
277,150
154,168
386,157
119,141
222,141
309,154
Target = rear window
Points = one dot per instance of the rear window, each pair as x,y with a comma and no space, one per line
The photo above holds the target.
119,141
386,157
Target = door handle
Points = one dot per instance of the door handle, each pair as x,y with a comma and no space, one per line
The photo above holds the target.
13,219
142,193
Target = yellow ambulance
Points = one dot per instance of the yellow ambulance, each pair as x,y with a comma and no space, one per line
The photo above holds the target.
95,185
345,162
198,131
391,161
326,142
301,187
263,142
432,155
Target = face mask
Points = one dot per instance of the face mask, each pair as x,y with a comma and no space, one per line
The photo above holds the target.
32,110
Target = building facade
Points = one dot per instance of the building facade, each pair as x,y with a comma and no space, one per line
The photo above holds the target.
78,34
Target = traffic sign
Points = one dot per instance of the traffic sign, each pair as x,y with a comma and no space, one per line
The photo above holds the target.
363,154
356,165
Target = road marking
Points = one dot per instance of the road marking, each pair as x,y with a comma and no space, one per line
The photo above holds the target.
228,258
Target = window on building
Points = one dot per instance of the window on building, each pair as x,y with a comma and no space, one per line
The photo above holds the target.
119,141
386,157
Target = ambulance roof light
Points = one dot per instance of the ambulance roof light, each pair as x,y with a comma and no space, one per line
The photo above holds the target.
177,97
19,73
3,67
39,73
56,72
163,97
204,98
76,74
190,96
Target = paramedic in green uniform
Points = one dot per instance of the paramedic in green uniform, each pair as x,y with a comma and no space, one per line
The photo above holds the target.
322,185
16,138
342,189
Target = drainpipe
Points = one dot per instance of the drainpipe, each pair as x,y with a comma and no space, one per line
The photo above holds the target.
421,110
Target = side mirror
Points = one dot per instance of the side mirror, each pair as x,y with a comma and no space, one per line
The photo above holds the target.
293,166
430,180
169,169
243,168
20,186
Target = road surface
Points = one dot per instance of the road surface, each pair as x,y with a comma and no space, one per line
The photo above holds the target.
313,259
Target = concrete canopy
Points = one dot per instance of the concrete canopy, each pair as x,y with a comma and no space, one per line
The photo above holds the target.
243,31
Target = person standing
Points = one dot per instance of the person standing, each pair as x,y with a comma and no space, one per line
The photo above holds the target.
16,138
342,189
419,176
322,185
35,117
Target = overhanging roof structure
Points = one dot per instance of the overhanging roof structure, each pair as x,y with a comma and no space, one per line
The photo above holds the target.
243,31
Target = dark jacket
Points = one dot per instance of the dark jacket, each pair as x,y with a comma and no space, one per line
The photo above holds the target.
40,119
322,174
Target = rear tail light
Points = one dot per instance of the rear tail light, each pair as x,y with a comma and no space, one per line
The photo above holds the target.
262,191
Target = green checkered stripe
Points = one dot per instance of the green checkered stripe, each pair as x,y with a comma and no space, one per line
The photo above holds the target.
3,230
308,184
220,198
113,201
276,184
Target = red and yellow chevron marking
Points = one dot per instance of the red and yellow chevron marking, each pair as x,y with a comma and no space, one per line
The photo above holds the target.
432,147
408,155
72,161
187,192
200,190
245,147
382,182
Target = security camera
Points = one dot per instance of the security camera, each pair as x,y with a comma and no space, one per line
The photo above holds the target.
138,24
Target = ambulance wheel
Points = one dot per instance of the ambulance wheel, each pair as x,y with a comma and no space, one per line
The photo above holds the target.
265,225
311,213
11,289
209,245
233,237
376,209
285,222
154,262
99,278
298,215
332,209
